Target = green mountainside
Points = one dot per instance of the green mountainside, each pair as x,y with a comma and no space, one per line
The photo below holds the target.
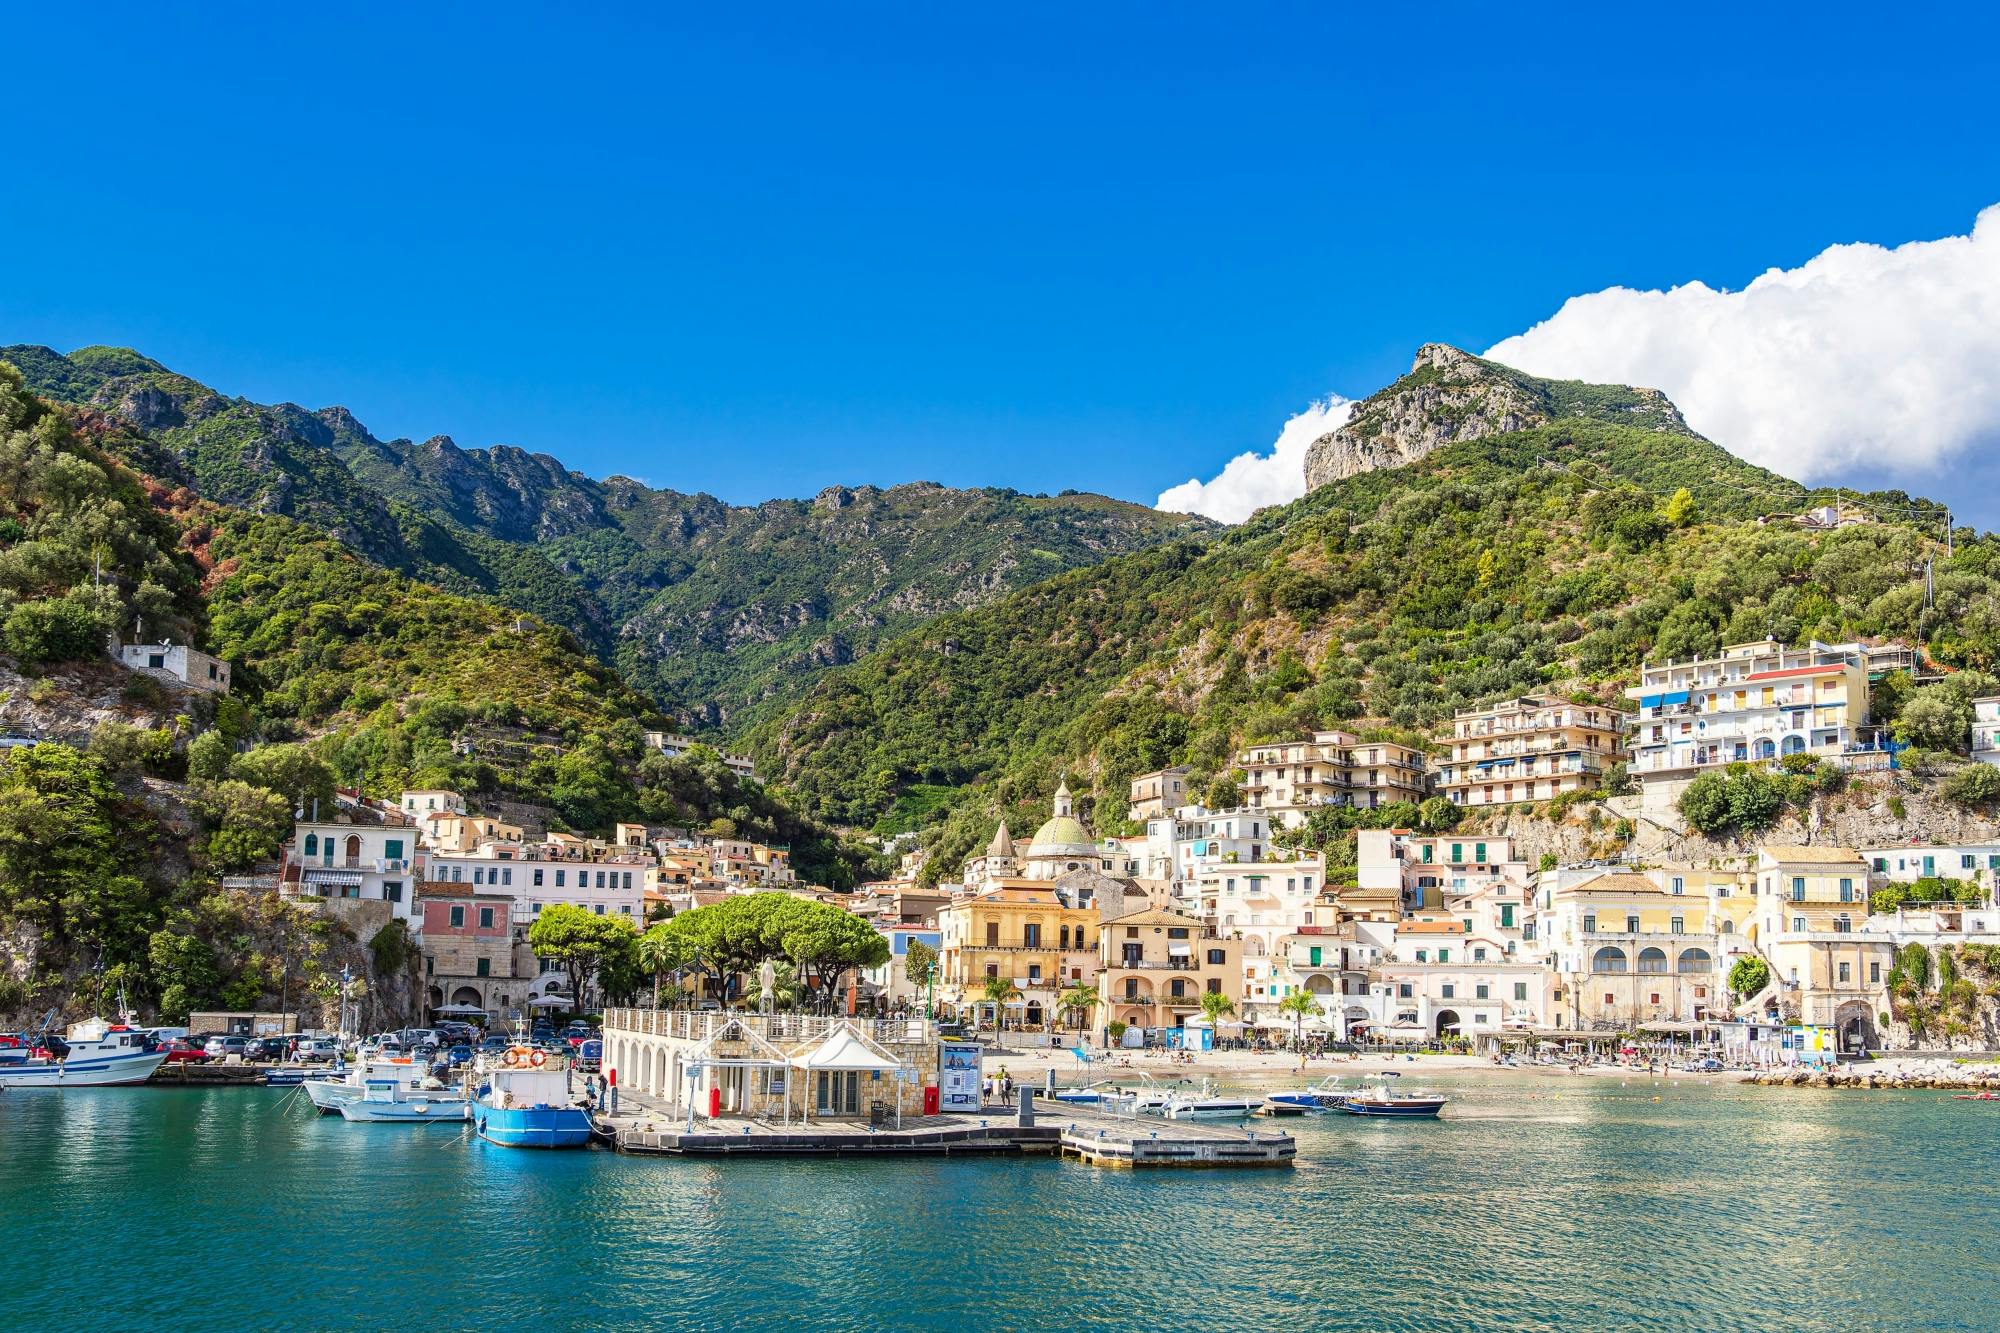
721,613
1550,553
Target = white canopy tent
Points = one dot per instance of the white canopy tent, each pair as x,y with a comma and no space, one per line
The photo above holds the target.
845,1049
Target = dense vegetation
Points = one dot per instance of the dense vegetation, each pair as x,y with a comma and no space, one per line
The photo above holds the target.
1550,558
720,613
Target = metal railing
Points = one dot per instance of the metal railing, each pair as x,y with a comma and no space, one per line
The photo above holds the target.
700,1025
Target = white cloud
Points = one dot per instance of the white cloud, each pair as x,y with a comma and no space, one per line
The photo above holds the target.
1863,361
1252,480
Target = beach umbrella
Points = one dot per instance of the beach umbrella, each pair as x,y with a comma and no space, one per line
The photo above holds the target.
550,1002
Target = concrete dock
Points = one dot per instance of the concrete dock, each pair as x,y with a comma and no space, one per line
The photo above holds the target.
643,1126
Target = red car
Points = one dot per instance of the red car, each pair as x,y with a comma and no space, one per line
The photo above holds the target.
183,1052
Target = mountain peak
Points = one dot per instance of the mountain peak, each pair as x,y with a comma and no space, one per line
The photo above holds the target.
1451,395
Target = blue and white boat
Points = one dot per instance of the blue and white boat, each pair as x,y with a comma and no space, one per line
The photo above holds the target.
1324,1095
530,1108
101,1054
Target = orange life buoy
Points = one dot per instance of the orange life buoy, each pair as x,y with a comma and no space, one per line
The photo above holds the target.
538,1059
511,1059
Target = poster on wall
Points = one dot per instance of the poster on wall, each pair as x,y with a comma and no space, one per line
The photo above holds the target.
958,1076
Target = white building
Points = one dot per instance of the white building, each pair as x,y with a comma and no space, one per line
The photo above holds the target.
178,663
1275,908
673,746
366,862
417,804
1986,729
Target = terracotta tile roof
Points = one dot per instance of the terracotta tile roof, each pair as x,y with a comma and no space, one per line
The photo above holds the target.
1823,856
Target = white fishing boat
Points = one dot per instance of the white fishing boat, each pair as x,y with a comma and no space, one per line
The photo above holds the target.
101,1054
335,1088
1208,1103
388,1101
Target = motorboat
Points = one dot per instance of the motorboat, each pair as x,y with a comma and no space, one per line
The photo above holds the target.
1324,1095
1211,1104
1378,1097
389,1101
529,1108
334,1088
100,1054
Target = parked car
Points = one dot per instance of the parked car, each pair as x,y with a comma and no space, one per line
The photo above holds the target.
318,1048
457,1032
460,1054
181,1051
495,1044
268,1050
221,1048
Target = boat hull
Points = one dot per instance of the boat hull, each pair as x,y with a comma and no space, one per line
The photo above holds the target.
106,1071
1398,1110
533,1126
405,1113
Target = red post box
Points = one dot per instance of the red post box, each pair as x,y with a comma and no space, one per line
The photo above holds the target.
930,1099
714,1103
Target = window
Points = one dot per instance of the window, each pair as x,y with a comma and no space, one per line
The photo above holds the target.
1677,925
507,875
1448,990
538,877
486,918
1177,988
1843,974
1403,991
457,916
1131,988
1480,991
1031,935
1423,955
393,849
1966,862
1874,974
1457,853
1216,957
1847,889
1590,924
392,891
480,967
1631,925
478,875
1177,932
1520,990
1506,916
1215,985
559,878
1798,923
312,844
1034,973
597,908
1444,955
1798,888
1680,884
1479,954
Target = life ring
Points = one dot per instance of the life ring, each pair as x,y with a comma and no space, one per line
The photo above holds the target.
511,1059
538,1059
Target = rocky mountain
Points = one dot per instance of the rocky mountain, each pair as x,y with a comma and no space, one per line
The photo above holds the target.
1573,531
1450,396
721,612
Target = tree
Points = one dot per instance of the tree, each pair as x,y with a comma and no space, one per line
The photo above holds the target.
292,771
1749,976
583,943
1973,785
918,960
248,823
1936,717
1077,1000
1224,794
1438,815
821,941
208,756
1679,510
999,990
70,628
1214,1004
1301,1005
663,950
785,992
1114,1031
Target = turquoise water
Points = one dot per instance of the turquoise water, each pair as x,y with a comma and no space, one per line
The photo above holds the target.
1543,1203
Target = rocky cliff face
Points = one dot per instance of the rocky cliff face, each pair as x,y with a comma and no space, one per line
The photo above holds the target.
1447,396
1450,395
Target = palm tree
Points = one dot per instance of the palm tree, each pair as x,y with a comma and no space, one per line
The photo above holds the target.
661,950
1300,1004
785,989
1214,1004
999,990
1078,999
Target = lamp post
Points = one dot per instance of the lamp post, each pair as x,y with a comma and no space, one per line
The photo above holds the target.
930,992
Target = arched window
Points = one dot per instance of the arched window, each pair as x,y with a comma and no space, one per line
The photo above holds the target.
1652,959
1693,960
1610,958
312,844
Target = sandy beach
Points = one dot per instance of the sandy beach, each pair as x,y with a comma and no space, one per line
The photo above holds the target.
1258,1067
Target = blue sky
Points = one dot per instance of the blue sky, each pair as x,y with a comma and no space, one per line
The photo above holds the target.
1025,246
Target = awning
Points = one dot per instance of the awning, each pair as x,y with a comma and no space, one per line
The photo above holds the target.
550,1002
467,1009
349,878
1656,700
846,1049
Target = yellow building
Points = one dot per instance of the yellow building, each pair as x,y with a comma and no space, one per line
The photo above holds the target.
1020,930
1625,949
1154,966
1806,889
1528,749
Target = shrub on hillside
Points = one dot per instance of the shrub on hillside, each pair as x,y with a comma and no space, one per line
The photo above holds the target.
1973,785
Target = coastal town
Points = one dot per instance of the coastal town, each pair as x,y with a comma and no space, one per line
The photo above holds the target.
1214,928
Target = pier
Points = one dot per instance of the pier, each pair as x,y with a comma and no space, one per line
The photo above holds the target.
644,1126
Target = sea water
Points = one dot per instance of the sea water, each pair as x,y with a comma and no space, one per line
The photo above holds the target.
1536,1203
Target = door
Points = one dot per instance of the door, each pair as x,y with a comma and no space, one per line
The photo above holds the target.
839,1092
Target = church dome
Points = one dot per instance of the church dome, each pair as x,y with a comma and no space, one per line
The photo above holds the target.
1062,836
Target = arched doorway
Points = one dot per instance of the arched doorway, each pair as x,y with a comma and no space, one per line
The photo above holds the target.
1766,749
468,995
354,849
1855,1022
1795,745
1034,1013
1447,1023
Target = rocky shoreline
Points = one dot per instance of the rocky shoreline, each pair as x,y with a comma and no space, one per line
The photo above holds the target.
1938,1075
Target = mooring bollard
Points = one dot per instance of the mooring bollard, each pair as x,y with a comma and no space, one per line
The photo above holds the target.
1027,1106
